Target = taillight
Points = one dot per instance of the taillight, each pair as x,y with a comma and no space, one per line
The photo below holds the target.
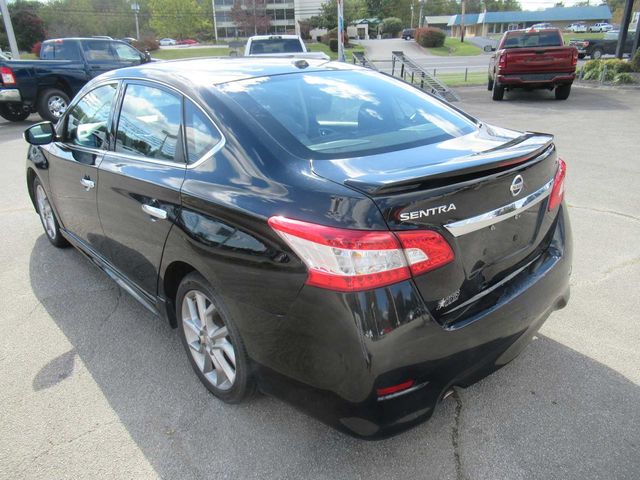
502,61
557,192
7,76
383,392
574,57
355,260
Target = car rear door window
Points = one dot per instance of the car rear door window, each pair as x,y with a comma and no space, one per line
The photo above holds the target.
98,51
202,135
149,123
87,120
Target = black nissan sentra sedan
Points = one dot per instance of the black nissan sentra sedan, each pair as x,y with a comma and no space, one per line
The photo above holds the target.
318,231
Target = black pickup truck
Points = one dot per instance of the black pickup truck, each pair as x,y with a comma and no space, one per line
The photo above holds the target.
607,46
46,85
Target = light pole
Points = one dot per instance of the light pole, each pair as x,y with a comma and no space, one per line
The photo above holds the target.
411,26
420,18
135,6
8,26
215,24
340,32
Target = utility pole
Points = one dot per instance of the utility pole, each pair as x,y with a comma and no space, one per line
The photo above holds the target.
8,26
624,27
135,6
411,26
215,23
420,20
340,31
462,22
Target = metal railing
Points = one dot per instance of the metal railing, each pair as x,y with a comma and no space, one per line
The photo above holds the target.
407,69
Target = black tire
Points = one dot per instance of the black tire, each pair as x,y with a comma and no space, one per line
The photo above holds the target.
498,92
243,386
581,56
14,112
54,110
490,84
597,53
562,91
47,216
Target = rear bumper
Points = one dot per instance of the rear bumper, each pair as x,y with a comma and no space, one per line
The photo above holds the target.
10,95
536,79
332,351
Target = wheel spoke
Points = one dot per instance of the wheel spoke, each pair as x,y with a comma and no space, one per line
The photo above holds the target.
195,346
208,364
219,333
193,310
201,303
222,367
192,326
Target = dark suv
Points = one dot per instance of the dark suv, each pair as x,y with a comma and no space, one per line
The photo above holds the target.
322,232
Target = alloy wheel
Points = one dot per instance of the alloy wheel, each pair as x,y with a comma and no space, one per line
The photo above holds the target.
46,213
56,105
208,340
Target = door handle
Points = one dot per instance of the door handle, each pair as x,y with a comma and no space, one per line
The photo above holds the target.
87,184
154,212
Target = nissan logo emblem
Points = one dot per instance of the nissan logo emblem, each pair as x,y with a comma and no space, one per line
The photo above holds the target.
517,185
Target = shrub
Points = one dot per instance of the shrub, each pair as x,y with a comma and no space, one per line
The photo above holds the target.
392,26
36,48
592,65
635,61
618,66
622,78
430,37
333,44
147,44
593,74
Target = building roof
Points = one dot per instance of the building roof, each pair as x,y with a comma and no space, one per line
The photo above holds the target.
469,19
554,14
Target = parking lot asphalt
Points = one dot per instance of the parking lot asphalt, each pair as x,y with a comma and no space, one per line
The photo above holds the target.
93,386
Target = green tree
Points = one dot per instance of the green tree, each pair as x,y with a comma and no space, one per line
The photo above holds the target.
27,24
177,18
328,17
391,26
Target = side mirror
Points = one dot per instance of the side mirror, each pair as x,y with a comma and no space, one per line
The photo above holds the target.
489,48
41,133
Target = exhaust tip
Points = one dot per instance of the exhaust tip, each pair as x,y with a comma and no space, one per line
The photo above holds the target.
447,394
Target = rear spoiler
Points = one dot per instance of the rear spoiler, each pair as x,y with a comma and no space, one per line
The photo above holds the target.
526,147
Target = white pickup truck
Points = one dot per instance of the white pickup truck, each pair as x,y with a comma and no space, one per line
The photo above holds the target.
280,46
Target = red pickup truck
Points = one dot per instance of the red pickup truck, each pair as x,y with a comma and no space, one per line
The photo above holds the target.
532,59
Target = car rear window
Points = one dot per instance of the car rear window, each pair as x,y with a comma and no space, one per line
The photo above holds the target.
330,114
275,45
60,50
526,39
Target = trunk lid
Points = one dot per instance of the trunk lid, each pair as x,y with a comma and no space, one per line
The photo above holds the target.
459,188
538,60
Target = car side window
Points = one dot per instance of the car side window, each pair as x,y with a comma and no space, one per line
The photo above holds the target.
97,51
202,135
87,120
125,53
149,123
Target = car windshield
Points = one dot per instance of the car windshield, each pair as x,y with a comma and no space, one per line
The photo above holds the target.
527,39
276,45
346,113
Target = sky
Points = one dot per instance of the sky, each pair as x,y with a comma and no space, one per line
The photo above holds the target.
541,4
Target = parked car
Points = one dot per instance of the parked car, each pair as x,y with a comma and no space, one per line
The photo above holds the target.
532,59
66,64
320,231
577,28
408,33
542,26
130,40
167,42
596,48
280,45
600,27
188,41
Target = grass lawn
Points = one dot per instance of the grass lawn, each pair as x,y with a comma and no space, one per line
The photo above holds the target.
173,54
457,79
453,46
321,47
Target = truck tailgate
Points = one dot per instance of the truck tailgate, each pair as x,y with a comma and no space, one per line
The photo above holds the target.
538,60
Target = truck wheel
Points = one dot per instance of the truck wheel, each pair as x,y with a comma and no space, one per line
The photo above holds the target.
13,112
490,84
52,103
562,91
581,56
498,92
597,53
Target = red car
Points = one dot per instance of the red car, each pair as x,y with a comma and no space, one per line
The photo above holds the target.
532,59
188,41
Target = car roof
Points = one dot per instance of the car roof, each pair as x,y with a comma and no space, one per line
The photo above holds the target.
274,36
215,71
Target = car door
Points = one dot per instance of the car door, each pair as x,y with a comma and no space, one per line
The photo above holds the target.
73,163
125,55
99,55
140,181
